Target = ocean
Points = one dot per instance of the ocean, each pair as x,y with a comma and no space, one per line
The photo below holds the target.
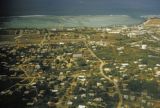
75,13
51,21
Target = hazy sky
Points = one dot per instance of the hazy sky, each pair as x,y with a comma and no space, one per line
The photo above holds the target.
22,7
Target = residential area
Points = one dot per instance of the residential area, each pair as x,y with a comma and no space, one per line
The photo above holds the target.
106,67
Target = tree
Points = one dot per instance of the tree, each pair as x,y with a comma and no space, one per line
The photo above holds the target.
135,85
81,62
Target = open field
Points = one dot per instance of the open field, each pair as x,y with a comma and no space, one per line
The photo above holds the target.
152,22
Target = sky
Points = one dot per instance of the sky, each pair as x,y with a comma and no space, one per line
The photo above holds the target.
66,7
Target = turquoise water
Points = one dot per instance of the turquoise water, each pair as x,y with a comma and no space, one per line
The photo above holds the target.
46,21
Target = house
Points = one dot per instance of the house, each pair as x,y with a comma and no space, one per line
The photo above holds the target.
83,95
81,106
120,48
107,69
77,55
132,98
51,104
61,43
69,103
115,31
54,29
131,35
123,65
144,47
98,99
143,101
125,97
158,65
30,104
81,78
157,74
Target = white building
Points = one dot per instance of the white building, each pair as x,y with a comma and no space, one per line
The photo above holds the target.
81,106
144,47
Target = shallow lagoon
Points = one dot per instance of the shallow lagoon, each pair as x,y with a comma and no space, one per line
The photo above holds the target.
46,21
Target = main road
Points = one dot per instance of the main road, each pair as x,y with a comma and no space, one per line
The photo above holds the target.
102,63
106,77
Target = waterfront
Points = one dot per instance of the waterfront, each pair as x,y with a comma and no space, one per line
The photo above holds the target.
49,21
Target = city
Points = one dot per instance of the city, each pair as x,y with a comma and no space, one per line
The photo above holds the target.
104,67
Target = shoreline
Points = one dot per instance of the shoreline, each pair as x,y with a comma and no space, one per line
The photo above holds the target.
81,21
90,21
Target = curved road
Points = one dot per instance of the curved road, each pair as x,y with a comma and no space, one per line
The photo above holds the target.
100,67
106,77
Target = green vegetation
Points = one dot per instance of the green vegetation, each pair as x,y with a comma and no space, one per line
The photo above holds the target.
81,62
107,53
151,86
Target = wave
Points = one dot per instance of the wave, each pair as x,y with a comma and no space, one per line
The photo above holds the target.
150,16
66,16
50,21
31,16
28,16
23,16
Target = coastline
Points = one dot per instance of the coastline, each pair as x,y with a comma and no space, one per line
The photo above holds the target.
51,21
48,21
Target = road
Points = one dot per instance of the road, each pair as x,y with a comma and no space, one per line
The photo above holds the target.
154,37
67,95
106,77
27,77
102,63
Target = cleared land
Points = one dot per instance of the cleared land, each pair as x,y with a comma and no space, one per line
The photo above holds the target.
152,22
